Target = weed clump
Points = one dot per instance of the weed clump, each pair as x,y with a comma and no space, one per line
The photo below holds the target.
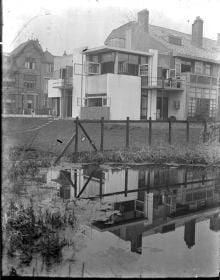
29,231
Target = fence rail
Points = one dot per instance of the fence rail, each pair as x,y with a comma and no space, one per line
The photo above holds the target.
210,132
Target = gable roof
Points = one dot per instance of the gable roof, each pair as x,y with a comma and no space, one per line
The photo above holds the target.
209,51
21,47
48,57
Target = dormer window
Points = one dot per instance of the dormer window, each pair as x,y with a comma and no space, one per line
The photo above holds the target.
175,40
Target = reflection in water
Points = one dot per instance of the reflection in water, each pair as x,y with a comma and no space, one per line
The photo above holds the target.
148,200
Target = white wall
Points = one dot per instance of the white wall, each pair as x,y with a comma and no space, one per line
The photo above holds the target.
125,96
153,64
96,84
53,92
178,113
78,81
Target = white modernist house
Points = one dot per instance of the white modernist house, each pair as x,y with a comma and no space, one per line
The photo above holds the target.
106,82
110,83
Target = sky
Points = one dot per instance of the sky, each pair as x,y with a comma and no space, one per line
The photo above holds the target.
68,24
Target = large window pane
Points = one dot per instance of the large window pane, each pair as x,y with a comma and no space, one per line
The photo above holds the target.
107,57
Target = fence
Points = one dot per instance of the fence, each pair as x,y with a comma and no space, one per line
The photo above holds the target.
210,132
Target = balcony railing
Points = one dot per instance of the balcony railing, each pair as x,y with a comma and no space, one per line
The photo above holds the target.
170,83
201,79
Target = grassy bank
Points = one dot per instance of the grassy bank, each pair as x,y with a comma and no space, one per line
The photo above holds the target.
200,154
42,134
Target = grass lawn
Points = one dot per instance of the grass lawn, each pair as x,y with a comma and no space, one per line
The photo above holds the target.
23,131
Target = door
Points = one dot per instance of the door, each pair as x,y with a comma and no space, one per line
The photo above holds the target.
144,101
69,104
162,108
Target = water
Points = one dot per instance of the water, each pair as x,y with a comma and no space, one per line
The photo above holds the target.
140,222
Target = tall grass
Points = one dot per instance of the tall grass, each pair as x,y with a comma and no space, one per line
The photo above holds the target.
200,154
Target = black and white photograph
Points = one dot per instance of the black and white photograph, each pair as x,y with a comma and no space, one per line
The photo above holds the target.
110,139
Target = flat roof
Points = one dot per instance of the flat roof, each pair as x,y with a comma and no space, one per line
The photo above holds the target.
108,48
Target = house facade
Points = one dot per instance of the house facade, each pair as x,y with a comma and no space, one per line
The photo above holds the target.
60,86
142,71
106,82
191,58
26,71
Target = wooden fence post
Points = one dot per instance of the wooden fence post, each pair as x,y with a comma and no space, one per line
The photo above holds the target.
170,131
205,131
127,133
150,131
77,134
187,131
102,135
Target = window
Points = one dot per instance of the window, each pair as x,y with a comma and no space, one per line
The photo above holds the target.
178,68
185,66
107,63
30,63
208,69
143,70
93,68
201,107
29,82
94,58
29,104
128,64
7,82
198,67
10,103
50,68
97,102
175,40
30,85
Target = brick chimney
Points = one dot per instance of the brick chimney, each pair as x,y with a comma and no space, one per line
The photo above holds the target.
218,39
197,32
143,19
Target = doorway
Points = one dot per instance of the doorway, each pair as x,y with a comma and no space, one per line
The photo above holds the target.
144,103
162,108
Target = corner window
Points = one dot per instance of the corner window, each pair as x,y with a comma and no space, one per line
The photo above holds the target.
107,63
30,63
128,64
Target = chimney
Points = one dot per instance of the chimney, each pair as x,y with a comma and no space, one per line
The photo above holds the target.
197,32
218,39
143,19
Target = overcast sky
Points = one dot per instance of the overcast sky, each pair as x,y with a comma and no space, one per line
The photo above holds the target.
68,24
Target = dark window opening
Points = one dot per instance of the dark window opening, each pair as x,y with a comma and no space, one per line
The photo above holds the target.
107,67
95,102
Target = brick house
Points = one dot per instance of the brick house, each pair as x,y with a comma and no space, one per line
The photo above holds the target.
191,58
26,71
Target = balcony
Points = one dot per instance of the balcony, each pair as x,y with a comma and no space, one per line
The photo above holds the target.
62,83
205,80
175,84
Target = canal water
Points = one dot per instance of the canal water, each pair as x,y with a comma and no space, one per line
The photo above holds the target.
146,221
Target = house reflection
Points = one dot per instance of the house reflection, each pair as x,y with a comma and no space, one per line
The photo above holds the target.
148,200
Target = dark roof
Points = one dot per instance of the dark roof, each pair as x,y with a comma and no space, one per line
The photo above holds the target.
20,48
48,57
209,50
